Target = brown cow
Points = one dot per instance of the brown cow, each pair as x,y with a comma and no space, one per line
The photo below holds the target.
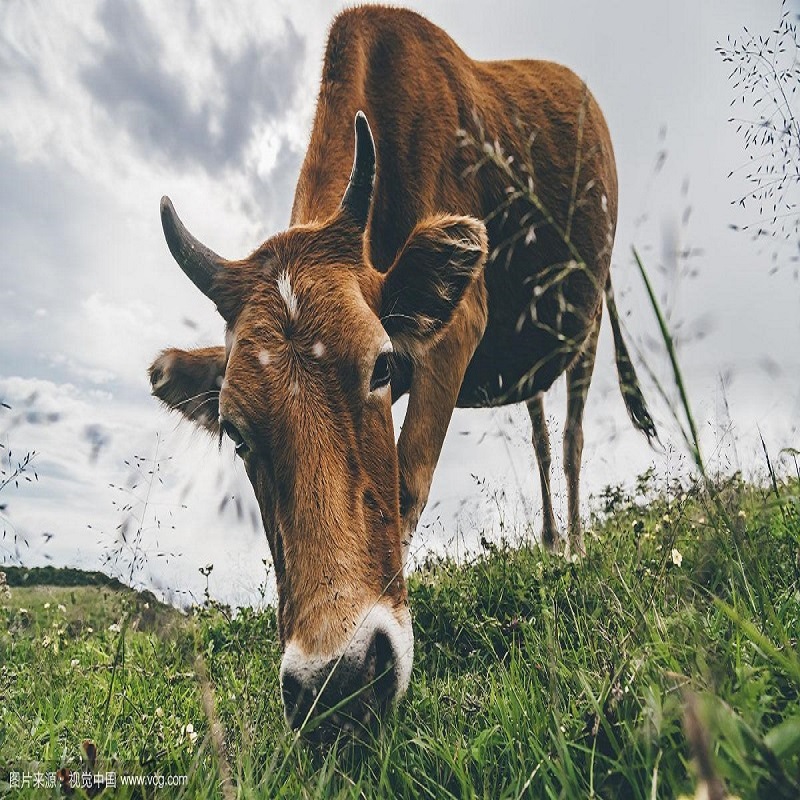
381,286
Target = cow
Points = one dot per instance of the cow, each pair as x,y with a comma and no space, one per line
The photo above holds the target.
410,276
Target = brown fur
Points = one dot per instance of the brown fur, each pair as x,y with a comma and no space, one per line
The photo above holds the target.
336,496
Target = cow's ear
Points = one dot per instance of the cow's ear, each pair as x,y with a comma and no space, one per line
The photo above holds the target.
189,381
427,281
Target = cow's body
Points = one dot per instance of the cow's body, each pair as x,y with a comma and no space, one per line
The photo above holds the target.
389,285
418,89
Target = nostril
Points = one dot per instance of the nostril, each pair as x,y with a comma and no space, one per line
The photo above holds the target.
385,678
291,689
349,690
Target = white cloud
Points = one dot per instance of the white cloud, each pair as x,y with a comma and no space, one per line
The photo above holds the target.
121,338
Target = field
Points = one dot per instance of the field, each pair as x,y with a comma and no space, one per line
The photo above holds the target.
663,663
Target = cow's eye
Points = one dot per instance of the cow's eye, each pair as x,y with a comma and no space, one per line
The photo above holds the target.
381,373
232,432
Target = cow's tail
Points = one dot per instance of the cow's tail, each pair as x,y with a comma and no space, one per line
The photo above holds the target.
628,382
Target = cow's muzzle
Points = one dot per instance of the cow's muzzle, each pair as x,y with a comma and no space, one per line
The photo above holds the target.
345,693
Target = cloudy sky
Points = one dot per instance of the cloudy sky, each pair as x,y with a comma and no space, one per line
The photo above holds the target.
108,105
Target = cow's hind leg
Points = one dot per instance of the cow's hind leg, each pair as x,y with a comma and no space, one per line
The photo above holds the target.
541,445
579,377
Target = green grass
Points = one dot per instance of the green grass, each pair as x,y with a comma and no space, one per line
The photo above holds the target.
533,677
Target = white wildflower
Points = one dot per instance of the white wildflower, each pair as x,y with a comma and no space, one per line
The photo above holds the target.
677,557
114,627
62,608
188,732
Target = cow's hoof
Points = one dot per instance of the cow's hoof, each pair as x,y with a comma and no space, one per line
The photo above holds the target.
574,550
552,542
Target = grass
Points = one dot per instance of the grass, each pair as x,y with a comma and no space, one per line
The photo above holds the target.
534,676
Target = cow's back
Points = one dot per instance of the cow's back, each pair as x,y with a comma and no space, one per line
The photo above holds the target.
418,89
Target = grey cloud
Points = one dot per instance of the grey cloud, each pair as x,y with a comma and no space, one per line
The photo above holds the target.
15,63
129,80
42,257
274,194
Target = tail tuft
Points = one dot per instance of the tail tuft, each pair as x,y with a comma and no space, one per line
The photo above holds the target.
628,382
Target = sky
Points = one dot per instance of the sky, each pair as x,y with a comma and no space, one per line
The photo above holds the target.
106,106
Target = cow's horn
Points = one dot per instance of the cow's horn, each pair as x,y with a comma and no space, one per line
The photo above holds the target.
194,258
358,195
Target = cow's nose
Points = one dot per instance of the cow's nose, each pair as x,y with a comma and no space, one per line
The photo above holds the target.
294,696
326,696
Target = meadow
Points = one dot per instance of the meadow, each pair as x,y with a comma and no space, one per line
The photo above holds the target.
663,663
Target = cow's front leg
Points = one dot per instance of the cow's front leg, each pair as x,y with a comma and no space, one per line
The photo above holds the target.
434,390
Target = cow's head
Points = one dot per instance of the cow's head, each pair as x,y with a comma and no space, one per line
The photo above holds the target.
302,388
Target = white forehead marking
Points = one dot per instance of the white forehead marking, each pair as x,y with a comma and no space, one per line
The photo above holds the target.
263,357
386,347
287,293
318,350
